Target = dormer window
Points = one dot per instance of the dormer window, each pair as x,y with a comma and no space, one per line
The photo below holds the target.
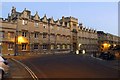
65,23
36,24
74,24
44,26
68,24
24,22
61,23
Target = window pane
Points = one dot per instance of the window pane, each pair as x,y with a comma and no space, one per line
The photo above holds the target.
35,46
36,35
36,24
58,46
23,46
52,46
10,35
23,22
10,46
44,46
1,34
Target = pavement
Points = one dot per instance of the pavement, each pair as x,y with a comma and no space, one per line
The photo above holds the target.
115,64
16,71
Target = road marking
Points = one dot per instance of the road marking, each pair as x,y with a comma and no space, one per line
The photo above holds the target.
96,57
28,69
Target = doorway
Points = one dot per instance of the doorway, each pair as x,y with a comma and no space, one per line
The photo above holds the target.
74,47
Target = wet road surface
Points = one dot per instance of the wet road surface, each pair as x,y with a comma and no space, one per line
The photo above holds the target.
69,66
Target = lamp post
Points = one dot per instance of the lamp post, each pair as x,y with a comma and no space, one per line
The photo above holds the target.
0,48
16,40
16,36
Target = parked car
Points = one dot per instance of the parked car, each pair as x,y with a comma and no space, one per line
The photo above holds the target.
116,51
107,56
4,68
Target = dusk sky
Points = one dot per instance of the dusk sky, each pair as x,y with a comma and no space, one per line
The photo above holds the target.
96,15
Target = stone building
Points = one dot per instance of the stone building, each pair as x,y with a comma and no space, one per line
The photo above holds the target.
23,33
7,36
108,39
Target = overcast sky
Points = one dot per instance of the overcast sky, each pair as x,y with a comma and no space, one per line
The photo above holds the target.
97,15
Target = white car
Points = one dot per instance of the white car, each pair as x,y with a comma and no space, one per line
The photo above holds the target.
3,66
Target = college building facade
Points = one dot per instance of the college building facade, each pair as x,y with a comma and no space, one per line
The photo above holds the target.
106,38
23,33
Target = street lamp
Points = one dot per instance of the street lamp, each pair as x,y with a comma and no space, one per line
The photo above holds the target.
21,40
106,46
78,51
114,45
79,45
83,52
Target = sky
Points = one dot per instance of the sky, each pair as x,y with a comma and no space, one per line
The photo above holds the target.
101,16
